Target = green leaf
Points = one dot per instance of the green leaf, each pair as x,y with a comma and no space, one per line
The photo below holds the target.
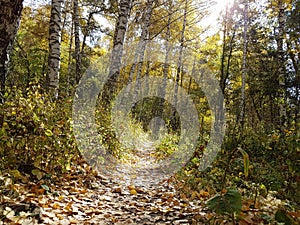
39,174
229,202
234,199
48,133
45,187
282,216
246,161
15,174
37,162
216,204
68,166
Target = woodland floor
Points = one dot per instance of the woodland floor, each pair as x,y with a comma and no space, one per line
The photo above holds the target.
82,196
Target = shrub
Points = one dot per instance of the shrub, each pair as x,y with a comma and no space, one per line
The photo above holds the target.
36,131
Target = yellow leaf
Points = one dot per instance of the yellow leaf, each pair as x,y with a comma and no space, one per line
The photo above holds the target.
204,193
133,192
56,206
59,216
83,191
130,187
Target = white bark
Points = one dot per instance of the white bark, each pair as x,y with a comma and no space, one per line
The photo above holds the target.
54,48
141,47
116,55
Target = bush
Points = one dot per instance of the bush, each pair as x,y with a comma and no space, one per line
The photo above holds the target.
36,131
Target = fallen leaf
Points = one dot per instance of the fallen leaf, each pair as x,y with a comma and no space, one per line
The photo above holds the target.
204,194
133,192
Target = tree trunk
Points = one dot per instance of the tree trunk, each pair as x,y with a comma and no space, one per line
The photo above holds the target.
70,77
160,104
244,66
54,48
10,13
109,88
179,63
140,51
77,42
86,32
225,67
281,68
225,64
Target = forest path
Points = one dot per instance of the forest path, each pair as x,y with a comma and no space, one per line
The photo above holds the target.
141,168
83,196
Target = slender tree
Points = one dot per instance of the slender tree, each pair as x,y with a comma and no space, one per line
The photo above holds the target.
228,39
180,57
141,47
54,48
281,65
244,64
166,66
109,88
227,49
77,41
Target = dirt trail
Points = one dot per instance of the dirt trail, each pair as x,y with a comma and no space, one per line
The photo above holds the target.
85,197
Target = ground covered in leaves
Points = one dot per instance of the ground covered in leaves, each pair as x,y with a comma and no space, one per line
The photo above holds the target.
82,196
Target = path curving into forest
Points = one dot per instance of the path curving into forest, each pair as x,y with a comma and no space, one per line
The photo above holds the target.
84,196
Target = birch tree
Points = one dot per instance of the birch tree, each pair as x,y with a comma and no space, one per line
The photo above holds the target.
54,48
109,88
281,64
141,47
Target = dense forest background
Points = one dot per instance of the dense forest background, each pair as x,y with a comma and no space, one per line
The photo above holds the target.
253,53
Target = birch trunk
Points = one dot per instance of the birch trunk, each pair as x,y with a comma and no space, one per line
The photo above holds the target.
140,51
110,87
54,48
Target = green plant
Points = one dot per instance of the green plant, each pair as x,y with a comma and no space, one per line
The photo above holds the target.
36,131
167,146
229,203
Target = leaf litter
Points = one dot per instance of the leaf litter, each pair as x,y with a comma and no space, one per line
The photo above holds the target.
84,196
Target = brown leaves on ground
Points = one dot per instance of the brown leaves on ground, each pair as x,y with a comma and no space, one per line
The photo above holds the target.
84,197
